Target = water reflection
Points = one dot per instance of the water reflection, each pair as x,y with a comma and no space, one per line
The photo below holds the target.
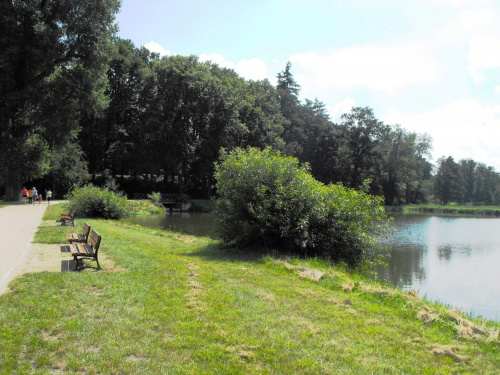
196,224
448,259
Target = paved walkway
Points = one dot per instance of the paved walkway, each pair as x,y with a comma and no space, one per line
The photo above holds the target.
18,224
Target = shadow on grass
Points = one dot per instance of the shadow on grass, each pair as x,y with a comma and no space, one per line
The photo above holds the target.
218,252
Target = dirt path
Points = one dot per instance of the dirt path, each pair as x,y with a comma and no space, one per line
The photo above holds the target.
18,224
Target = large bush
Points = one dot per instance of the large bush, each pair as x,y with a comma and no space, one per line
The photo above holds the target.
91,201
271,201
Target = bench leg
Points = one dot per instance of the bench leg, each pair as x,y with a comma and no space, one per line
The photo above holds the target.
75,260
98,265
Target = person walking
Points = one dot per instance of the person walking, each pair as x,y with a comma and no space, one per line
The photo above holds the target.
39,199
34,192
25,194
49,197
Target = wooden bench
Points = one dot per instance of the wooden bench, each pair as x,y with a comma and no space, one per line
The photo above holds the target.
68,217
79,237
87,250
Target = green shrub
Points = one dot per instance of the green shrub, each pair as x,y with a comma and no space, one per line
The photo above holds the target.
91,201
155,198
271,201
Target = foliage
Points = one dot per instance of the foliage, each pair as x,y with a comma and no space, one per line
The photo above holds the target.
145,207
91,201
269,200
155,198
466,182
68,167
52,60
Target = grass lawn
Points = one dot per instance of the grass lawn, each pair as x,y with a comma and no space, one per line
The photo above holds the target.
185,305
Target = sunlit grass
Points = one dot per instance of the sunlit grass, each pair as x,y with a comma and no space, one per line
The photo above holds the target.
186,305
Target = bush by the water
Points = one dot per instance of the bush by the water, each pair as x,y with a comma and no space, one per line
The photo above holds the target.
269,200
92,201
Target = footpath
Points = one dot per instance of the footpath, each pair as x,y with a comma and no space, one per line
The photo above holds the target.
18,224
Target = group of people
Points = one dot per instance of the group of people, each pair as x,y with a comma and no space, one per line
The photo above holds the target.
32,196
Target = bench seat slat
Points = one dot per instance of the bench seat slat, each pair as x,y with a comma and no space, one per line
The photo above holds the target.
81,249
75,237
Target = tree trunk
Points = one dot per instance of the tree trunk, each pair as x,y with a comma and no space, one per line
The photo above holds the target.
13,184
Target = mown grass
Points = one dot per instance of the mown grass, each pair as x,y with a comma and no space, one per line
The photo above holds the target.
186,305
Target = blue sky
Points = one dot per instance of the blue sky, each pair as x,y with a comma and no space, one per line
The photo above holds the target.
431,66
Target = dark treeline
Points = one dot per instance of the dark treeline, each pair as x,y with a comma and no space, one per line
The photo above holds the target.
80,105
168,117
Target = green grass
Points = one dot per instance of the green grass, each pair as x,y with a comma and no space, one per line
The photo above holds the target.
448,209
186,305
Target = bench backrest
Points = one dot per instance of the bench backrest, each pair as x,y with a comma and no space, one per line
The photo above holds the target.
94,240
86,231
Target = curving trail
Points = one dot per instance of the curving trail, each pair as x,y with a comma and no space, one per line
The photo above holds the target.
18,224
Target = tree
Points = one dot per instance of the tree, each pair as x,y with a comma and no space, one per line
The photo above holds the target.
404,168
486,185
288,90
361,135
468,169
44,43
119,125
448,183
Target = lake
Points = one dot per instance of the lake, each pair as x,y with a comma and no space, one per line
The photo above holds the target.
453,260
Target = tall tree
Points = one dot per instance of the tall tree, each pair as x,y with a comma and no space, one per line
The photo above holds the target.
486,185
119,125
44,42
404,169
361,135
288,91
448,183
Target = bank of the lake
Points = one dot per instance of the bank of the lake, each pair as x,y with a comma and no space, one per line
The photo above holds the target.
180,304
445,209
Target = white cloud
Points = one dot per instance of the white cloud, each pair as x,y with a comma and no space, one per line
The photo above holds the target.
341,107
462,129
155,47
383,68
484,53
252,69
467,23
216,58
249,69
459,3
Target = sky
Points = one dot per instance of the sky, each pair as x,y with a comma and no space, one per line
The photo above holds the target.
430,66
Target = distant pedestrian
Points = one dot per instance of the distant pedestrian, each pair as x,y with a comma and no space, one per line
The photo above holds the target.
34,192
39,199
30,196
25,194
49,197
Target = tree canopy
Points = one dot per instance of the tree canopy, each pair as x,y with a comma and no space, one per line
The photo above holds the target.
79,104
53,59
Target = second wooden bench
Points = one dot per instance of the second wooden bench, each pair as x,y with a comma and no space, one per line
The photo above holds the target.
87,250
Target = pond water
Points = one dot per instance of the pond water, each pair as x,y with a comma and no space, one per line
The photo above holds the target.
453,260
